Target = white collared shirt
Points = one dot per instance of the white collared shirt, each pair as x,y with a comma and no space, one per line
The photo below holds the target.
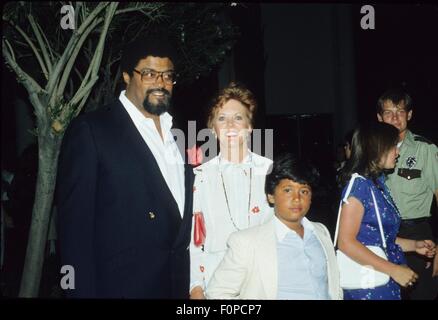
236,182
302,266
165,151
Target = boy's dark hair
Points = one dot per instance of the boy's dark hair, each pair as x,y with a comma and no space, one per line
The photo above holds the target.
142,47
287,166
396,96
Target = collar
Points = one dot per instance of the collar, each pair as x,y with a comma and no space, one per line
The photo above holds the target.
409,139
281,230
246,163
166,119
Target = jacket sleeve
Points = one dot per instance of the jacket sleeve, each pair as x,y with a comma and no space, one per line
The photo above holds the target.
228,279
75,199
340,292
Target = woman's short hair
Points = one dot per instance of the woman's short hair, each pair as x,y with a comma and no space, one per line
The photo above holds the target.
235,91
370,143
287,166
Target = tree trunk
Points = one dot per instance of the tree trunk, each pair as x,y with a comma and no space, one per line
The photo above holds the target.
49,145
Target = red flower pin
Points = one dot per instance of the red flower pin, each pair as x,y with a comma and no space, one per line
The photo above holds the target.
255,209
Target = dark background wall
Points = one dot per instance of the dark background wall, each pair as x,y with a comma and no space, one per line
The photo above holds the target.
301,59
320,61
309,77
402,50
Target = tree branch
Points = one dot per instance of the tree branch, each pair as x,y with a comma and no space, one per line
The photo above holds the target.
78,9
101,44
40,111
32,46
41,43
78,74
92,16
97,58
28,82
83,93
10,50
52,56
150,6
66,72
51,86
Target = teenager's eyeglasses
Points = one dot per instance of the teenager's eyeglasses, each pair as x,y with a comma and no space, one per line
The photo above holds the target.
150,76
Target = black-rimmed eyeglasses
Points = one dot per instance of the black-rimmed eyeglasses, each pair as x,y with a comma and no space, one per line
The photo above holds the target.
150,76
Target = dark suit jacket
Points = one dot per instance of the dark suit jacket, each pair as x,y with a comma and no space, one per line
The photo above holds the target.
119,225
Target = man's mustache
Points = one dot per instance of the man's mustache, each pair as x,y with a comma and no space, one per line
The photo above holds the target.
162,90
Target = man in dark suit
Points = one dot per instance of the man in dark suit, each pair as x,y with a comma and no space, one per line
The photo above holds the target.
124,194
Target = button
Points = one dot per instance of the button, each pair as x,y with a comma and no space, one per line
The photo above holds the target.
151,215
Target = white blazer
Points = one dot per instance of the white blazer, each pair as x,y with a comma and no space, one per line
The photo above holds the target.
249,269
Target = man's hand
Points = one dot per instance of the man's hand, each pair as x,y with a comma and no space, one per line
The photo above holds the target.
197,293
426,248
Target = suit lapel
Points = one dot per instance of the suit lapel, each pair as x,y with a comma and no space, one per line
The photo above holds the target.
187,215
267,259
153,176
327,246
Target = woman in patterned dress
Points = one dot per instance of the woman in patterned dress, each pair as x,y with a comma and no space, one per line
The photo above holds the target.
374,152
229,189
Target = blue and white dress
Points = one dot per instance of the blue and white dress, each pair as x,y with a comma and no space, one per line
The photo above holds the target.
369,234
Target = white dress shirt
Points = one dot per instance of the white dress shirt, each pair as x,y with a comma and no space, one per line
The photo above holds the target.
165,151
302,266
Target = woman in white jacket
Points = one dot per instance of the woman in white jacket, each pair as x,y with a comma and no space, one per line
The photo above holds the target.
229,189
